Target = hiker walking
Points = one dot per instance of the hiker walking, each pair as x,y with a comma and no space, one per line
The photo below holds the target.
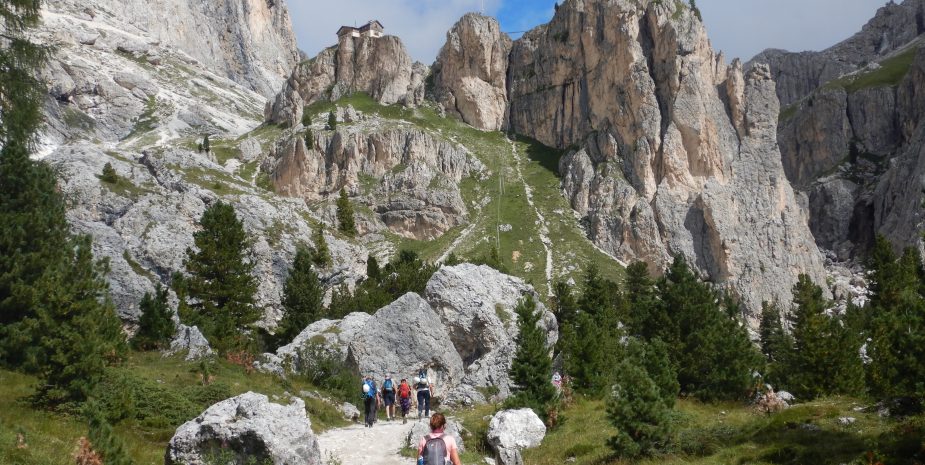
438,448
388,397
370,401
425,390
404,399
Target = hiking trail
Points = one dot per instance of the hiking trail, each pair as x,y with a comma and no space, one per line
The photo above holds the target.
541,220
356,444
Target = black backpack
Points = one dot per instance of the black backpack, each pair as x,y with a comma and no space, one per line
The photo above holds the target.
434,451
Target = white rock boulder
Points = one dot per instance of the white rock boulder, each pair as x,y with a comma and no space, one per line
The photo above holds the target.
190,340
511,431
251,427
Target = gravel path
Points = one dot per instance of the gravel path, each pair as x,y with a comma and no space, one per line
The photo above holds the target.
355,445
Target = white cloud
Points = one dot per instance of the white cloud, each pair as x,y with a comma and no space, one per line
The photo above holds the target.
421,24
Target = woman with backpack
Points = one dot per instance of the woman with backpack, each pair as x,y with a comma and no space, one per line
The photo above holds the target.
388,397
404,399
370,401
438,448
425,390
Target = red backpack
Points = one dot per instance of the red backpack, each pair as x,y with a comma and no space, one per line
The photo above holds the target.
404,391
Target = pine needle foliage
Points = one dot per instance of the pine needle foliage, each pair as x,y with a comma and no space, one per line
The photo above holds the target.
302,297
531,369
155,327
346,223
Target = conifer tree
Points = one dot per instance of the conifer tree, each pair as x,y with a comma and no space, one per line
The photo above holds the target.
653,357
220,285
645,319
306,117
321,254
109,174
896,313
345,219
55,316
76,332
711,349
309,140
532,368
332,120
155,327
205,144
824,358
302,298
775,342
372,268
637,410
565,304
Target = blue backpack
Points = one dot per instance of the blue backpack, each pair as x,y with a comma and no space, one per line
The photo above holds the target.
372,389
387,385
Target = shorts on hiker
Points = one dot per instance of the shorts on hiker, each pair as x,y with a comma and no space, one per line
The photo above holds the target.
424,401
389,398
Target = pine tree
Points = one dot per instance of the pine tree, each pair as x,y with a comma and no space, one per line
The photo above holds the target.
775,342
711,349
309,140
205,144
896,318
565,304
644,316
109,174
332,120
221,285
345,220
306,117
321,254
637,410
56,319
653,357
531,369
75,327
302,298
155,327
104,441
824,358
372,268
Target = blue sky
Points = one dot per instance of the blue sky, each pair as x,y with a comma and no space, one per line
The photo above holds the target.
739,27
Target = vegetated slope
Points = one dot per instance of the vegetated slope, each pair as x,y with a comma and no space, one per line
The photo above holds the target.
499,214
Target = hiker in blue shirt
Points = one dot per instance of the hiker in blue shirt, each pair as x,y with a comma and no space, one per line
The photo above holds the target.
371,400
388,397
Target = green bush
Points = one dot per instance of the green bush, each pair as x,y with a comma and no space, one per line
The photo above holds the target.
109,174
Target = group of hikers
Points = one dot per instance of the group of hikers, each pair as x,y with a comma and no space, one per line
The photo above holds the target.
436,448
390,392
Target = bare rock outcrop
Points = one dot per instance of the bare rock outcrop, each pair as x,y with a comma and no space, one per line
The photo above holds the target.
409,178
476,304
511,431
250,426
250,42
378,66
678,151
800,73
470,75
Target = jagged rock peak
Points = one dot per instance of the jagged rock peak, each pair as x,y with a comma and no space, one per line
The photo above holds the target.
678,151
379,66
251,42
470,75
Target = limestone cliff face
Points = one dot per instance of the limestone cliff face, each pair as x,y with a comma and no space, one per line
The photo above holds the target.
408,178
856,151
678,151
470,75
250,42
799,74
379,66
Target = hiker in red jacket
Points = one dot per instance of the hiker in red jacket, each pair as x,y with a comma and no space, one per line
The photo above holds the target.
404,399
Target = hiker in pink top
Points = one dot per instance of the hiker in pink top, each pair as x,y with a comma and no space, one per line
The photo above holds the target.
438,448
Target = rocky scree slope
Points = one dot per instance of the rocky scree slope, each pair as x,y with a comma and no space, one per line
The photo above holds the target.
675,151
853,143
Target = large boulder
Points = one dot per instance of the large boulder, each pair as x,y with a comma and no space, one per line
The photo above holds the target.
403,337
189,339
333,335
476,304
251,427
470,75
511,431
